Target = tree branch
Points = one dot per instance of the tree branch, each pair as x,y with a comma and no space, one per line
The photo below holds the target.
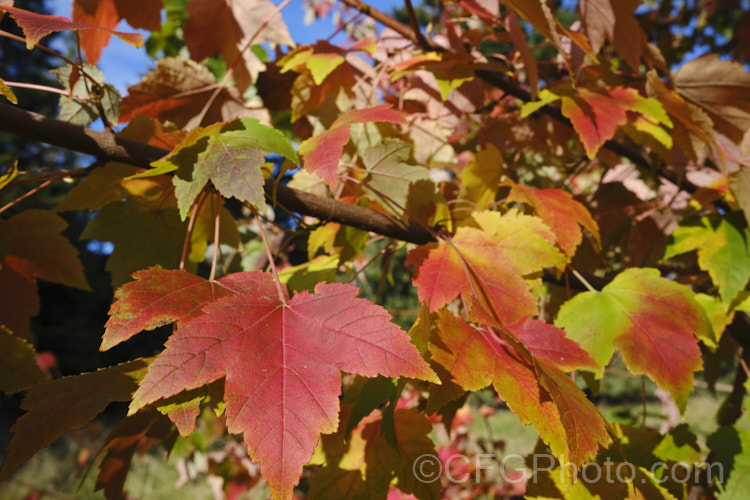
107,147
383,18
495,79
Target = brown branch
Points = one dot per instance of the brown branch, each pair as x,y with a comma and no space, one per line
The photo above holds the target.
107,147
383,18
415,27
495,79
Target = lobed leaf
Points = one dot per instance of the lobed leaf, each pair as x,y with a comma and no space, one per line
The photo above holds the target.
534,389
321,153
489,261
178,90
653,321
227,154
159,297
285,391
82,396
723,252
18,367
560,212
37,26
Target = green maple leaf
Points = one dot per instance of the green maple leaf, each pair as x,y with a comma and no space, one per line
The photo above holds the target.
230,155
723,252
652,320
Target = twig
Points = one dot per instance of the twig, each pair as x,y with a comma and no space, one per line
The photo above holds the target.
111,148
29,193
45,88
373,259
383,18
5,34
421,40
583,280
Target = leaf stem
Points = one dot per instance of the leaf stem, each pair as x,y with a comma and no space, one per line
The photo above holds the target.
583,280
29,193
217,219
373,259
5,34
45,88
269,254
191,225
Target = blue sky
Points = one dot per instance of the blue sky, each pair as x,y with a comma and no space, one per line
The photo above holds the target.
124,65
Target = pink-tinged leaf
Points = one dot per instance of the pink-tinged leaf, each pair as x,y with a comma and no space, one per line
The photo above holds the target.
443,276
281,363
183,409
532,388
652,320
321,153
560,212
595,116
160,296
37,26
438,277
183,416
549,343
490,263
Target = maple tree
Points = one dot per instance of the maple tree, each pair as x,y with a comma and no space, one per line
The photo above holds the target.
544,185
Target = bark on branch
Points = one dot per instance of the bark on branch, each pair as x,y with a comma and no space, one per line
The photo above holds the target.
495,79
108,147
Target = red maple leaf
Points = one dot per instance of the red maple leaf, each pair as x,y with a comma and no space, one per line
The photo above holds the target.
322,152
596,115
281,360
37,26
488,262
161,296
524,372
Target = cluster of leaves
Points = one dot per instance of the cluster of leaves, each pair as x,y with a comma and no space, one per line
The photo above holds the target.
564,199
